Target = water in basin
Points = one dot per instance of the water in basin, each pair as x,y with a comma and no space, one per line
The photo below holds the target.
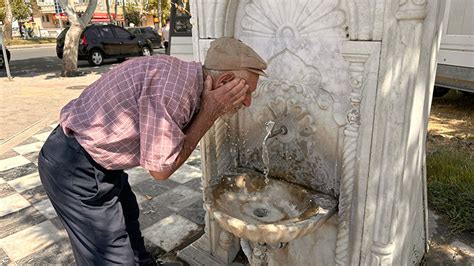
248,206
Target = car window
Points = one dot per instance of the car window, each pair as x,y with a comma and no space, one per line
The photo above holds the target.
121,33
91,33
106,32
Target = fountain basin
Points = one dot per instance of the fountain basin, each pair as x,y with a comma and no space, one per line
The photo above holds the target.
271,211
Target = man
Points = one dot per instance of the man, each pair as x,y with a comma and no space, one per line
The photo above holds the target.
165,31
150,111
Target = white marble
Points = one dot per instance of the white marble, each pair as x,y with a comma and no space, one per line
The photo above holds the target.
42,136
352,82
169,232
12,203
30,240
26,182
12,162
28,148
186,173
46,208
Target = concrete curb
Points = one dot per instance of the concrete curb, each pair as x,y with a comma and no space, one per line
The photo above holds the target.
13,47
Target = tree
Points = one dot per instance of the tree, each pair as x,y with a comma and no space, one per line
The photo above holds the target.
20,10
36,10
77,26
165,8
132,14
7,21
107,4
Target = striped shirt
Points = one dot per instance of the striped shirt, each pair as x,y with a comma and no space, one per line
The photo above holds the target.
135,114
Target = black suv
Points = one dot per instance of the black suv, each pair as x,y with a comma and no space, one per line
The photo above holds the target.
2,61
106,41
147,33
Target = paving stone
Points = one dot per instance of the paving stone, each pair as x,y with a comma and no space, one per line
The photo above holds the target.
153,249
25,183
58,224
29,148
30,240
137,175
170,232
42,136
46,208
58,253
194,212
4,259
27,141
186,173
178,198
35,195
33,157
6,190
12,203
195,184
17,221
18,171
8,154
11,163
46,129
151,212
195,163
152,188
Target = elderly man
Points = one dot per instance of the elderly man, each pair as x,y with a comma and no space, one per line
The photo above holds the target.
151,112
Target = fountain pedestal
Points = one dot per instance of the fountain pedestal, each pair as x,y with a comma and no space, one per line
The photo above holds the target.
351,81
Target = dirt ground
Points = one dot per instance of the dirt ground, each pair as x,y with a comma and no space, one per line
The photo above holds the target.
451,124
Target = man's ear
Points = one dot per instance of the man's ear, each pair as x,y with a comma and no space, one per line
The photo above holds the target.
224,78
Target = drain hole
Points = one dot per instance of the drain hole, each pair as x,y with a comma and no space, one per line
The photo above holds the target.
260,212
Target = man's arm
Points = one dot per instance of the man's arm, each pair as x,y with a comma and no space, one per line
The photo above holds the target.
214,103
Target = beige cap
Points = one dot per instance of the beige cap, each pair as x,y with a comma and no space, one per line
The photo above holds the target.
232,54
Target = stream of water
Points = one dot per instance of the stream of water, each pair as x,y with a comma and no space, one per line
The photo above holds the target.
266,161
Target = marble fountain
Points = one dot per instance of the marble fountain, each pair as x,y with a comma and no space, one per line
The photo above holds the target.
339,176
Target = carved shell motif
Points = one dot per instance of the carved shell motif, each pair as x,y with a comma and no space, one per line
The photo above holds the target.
293,19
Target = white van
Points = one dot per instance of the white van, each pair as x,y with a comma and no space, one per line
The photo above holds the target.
456,56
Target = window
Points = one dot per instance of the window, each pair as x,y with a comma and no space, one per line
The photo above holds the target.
121,33
180,16
47,18
106,32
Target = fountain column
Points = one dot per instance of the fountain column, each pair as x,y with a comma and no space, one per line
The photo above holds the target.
352,81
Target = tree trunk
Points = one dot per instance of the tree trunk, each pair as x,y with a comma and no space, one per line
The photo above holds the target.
107,4
35,8
116,14
7,33
71,43
71,46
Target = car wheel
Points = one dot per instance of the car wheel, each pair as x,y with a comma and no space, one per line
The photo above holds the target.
440,91
1,62
96,58
146,51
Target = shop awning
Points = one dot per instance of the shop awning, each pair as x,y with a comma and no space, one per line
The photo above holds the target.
103,17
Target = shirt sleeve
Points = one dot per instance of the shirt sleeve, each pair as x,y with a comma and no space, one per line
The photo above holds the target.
161,138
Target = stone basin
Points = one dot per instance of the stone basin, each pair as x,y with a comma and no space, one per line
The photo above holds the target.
272,211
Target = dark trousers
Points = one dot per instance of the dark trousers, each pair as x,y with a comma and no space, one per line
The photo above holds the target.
96,205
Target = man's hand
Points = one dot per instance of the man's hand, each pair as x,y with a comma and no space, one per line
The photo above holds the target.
223,99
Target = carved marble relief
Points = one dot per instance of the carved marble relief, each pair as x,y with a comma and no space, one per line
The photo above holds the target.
300,42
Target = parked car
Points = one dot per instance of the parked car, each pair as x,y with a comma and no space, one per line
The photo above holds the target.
147,33
2,61
99,42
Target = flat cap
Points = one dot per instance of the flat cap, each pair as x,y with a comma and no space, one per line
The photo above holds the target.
232,54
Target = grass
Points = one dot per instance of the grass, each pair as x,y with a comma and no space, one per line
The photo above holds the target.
450,171
31,41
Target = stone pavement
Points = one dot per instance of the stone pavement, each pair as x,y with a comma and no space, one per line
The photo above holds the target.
171,211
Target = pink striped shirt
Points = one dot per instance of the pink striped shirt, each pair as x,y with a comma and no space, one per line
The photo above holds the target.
135,114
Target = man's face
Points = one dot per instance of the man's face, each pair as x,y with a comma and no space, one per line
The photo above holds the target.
251,80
